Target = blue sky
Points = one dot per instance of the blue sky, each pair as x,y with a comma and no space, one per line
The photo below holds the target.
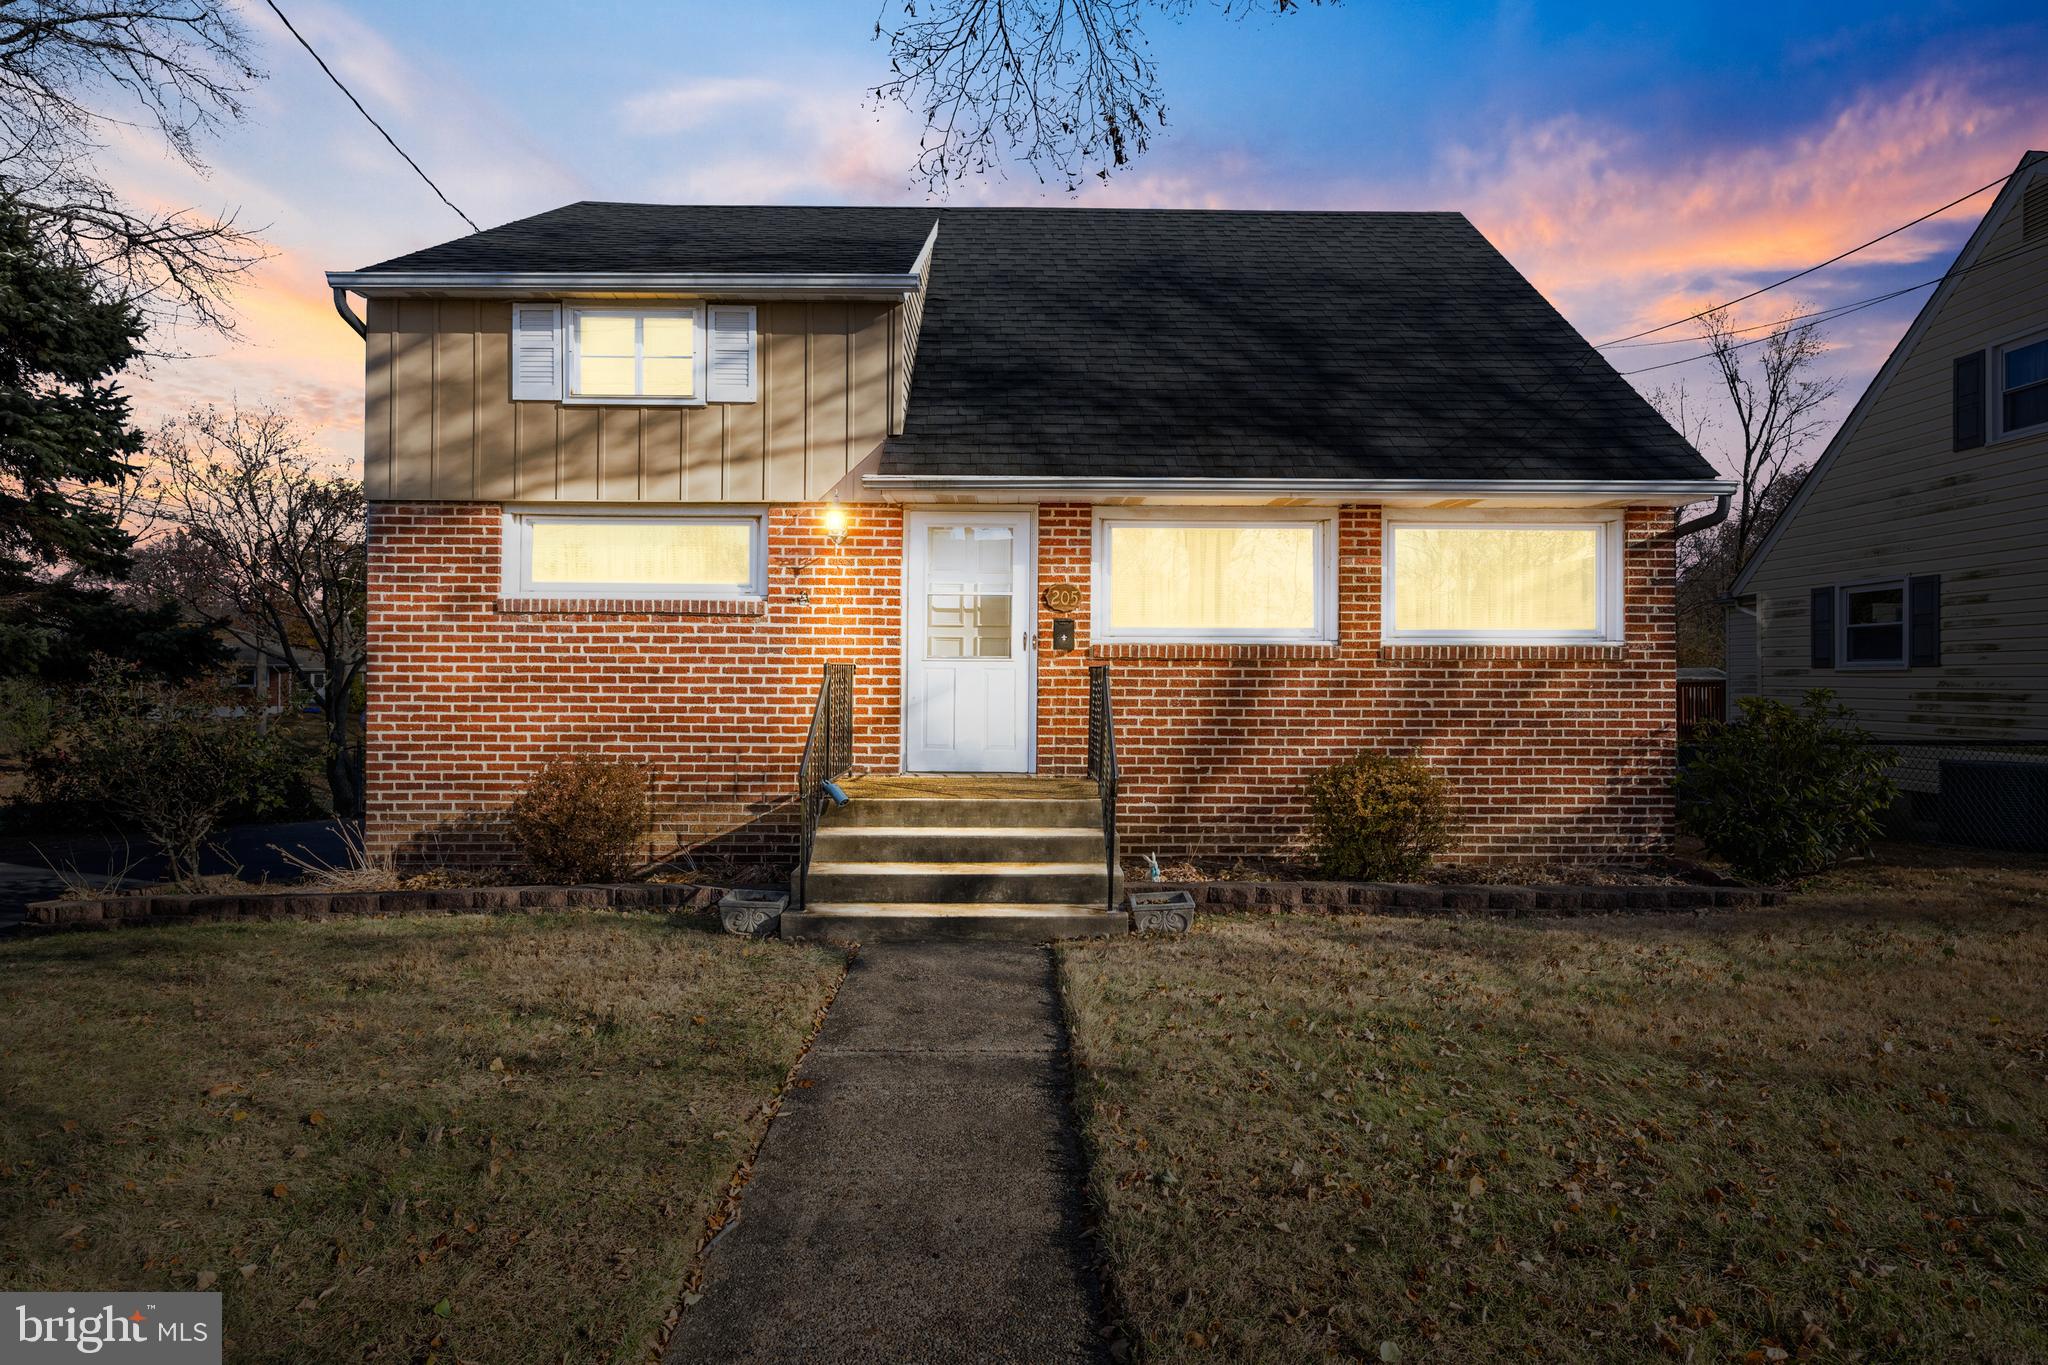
1635,161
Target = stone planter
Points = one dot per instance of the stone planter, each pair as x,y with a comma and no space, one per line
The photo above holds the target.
757,913
1162,912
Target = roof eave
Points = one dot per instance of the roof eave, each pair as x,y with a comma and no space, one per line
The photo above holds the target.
888,285
1643,492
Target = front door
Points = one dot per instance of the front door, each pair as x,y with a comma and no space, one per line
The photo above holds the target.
969,607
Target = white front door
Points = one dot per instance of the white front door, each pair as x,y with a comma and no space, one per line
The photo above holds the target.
969,604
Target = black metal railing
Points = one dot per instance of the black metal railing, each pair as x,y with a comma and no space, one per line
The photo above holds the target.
828,752
1102,764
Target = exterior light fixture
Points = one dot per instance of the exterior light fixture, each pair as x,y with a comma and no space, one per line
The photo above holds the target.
835,522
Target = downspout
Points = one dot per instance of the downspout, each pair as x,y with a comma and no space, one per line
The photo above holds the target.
1707,522
362,329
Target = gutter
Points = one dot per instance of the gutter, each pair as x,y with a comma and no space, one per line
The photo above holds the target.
1699,523
1690,489
529,283
348,314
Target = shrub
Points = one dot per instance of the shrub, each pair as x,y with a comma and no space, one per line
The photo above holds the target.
581,819
168,761
1786,792
1378,817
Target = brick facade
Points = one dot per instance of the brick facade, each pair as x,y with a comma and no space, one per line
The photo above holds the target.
1557,752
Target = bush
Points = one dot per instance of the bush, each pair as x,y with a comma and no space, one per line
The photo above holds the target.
1378,817
1786,792
581,819
168,761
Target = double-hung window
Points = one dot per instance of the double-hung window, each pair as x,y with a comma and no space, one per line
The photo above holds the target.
1198,575
2021,392
1502,578
629,355
1874,625
647,553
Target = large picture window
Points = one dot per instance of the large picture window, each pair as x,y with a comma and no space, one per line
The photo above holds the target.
680,554
1502,579
636,355
1201,576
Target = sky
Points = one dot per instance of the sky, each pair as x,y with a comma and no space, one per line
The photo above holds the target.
1636,162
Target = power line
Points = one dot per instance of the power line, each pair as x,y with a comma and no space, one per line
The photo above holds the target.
1800,275
1830,314
366,114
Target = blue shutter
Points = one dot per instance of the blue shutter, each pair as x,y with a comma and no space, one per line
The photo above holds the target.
1923,620
1821,622
1968,397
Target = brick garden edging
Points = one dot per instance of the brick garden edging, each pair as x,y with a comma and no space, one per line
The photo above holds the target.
1369,897
120,912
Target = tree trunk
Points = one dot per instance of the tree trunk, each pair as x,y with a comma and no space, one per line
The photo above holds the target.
344,762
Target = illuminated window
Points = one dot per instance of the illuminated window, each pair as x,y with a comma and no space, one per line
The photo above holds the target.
1501,580
626,355
685,553
1199,576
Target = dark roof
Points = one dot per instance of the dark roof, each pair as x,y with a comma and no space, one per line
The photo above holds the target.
1143,343
714,239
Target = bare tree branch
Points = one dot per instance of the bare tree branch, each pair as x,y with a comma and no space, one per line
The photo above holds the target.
1066,86
75,74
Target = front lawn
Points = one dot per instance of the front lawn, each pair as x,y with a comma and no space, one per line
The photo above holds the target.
465,1138
1819,1131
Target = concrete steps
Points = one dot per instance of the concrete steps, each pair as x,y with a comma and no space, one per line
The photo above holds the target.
1009,857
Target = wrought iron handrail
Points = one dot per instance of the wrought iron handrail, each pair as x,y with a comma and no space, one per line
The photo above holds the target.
1102,763
828,752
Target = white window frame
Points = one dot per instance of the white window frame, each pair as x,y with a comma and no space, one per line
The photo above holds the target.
1995,390
1323,520
1904,660
573,313
1610,603
517,559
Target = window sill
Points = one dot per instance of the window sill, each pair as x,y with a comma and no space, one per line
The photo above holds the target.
1502,649
1216,649
632,606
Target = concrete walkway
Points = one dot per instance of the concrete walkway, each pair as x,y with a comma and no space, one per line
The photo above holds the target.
920,1199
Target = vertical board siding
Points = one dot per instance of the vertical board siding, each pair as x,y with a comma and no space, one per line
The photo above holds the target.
440,423
1897,500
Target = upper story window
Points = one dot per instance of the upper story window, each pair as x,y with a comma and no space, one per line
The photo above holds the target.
665,553
1502,578
1874,625
2023,386
636,354
1194,575
675,354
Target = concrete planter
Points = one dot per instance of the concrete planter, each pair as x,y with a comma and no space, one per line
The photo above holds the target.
755,913
1162,912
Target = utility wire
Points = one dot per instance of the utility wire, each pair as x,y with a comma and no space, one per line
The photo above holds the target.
1800,275
1830,314
366,114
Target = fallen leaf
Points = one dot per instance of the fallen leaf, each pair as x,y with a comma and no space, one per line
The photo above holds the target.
497,1063
206,1280
316,1118
1389,1352
278,1192
443,1309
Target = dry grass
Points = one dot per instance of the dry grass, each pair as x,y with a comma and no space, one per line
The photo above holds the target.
1817,1132
469,1138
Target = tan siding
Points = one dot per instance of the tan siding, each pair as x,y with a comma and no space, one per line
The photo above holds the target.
440,423
382,317
1897,501
908,319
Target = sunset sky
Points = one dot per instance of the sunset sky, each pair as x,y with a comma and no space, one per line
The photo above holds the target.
1634,161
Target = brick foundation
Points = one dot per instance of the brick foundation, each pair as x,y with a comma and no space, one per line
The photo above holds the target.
1557,752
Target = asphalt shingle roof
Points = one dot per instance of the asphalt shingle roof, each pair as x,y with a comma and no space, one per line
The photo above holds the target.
1178,343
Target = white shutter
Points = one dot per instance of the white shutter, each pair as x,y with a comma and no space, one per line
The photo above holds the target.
536,352
734,368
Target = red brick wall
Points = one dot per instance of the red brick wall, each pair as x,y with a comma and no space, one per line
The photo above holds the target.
468,695
1557,752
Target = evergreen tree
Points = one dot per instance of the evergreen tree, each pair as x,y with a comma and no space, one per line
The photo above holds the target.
65,442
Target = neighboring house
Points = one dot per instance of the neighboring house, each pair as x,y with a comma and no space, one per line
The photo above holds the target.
1910,571
263,668
1306,483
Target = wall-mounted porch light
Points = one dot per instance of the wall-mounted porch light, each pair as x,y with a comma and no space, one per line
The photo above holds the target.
834,523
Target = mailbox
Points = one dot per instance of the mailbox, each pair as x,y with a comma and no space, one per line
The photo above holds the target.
1063,633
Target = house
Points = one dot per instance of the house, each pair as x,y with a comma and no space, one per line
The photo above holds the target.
1909,574
1301,483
